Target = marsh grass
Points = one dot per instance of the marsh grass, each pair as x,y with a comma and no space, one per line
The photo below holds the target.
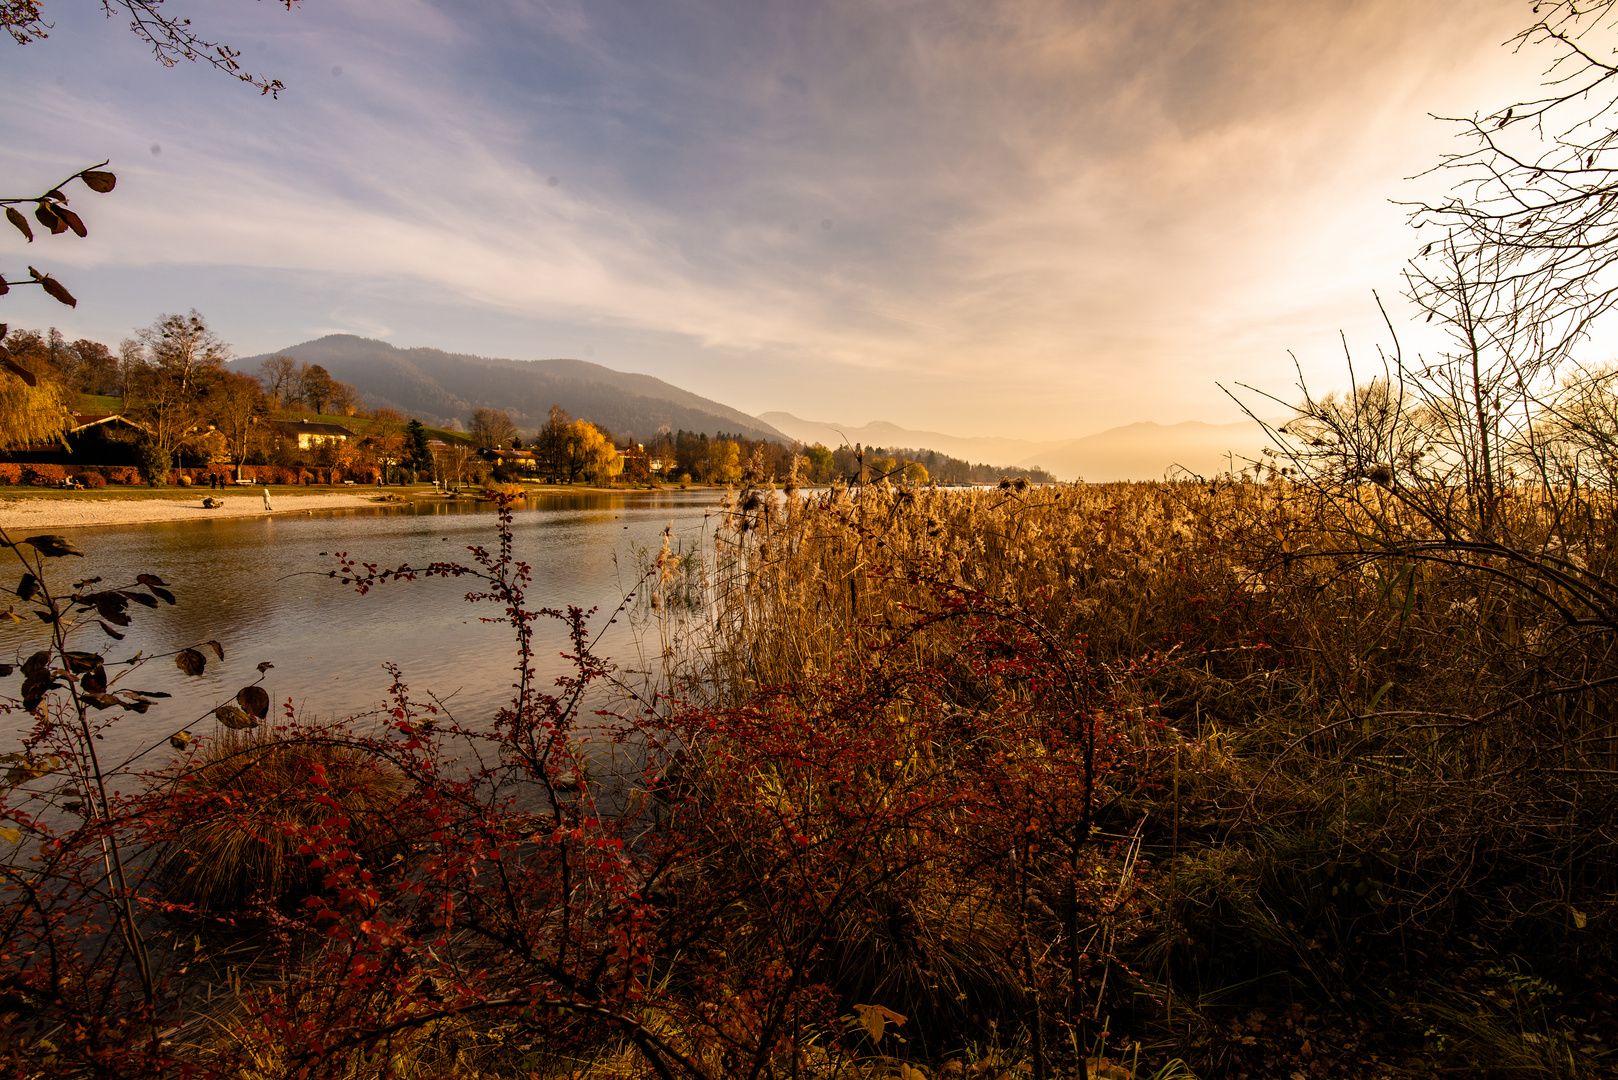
1382,731
248,796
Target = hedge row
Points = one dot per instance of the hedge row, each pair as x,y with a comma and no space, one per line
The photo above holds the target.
13,474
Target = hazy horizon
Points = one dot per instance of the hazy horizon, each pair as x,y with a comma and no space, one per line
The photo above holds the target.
1026,219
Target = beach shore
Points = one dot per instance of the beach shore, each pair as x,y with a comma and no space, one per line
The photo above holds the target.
31,515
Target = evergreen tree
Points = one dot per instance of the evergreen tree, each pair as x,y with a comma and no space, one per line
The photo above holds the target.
421,457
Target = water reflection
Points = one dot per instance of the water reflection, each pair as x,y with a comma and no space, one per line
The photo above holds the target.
258,587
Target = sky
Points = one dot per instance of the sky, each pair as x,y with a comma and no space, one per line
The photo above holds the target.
1023,218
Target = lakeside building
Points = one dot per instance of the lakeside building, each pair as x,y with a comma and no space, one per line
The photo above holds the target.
308,435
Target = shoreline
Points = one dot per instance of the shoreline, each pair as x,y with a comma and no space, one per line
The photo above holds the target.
28,514
97,511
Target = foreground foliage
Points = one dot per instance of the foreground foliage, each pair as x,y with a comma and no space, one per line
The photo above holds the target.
1150,773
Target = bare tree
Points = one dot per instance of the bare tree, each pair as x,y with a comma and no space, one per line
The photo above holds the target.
452,461
178,362
346,399
184,348
315,387
1533,211
280,377
236,404
492,428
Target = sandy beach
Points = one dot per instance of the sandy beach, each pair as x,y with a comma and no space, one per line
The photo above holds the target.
31,515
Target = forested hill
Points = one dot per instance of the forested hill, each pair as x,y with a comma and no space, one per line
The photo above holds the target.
439,387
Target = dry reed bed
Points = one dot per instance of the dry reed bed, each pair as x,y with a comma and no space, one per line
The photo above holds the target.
1391,724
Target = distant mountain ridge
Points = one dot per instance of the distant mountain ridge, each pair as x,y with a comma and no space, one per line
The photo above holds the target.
439,387
1142,451
1147,451
985,450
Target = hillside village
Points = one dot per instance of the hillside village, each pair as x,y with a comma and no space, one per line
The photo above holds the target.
173,407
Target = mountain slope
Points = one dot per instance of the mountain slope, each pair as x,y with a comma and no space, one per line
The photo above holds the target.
439,387
978,450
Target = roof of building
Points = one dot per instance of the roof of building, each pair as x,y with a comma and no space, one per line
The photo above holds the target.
305,427
82,421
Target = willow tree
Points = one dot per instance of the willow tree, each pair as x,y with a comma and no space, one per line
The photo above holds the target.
33,403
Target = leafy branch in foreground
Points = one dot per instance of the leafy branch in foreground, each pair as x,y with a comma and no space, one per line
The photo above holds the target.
171,39
51,211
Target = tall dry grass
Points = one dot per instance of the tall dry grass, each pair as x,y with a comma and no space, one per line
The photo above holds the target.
1386,724
244,801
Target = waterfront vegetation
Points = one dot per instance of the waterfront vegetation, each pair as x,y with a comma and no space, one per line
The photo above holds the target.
1205,777
1306,771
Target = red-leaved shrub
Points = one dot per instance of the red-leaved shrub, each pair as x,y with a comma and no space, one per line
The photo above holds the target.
43,475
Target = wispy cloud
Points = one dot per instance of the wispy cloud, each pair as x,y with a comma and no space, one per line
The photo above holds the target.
1026,216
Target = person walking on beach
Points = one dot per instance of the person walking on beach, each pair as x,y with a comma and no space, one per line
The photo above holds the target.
266,498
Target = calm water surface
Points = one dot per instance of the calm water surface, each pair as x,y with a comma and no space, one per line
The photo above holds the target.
257,586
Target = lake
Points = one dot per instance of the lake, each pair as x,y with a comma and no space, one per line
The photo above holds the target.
258,587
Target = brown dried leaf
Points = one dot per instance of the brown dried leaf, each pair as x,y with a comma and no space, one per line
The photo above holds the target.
52,546
874,1019
73,220
47,217
190,661
254,701
234,718
98,181
15,368
56,291
112,607
16,218
80,662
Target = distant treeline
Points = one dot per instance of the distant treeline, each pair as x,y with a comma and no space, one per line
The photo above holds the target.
722,459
